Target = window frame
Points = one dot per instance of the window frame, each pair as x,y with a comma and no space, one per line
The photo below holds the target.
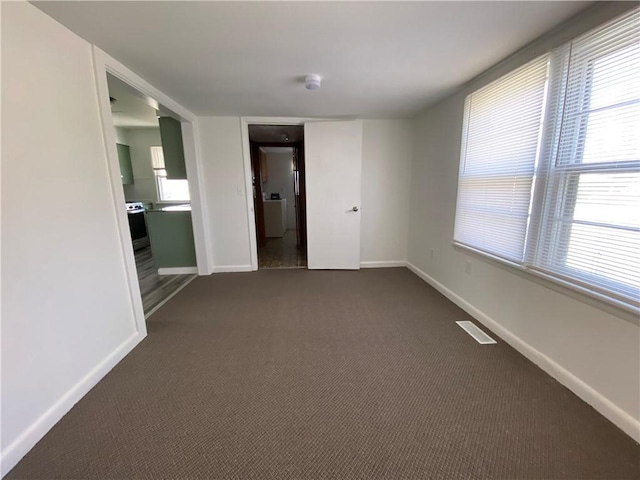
538,61
563,177
157,180
552,181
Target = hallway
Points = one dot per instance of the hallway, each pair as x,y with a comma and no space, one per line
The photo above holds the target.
282,253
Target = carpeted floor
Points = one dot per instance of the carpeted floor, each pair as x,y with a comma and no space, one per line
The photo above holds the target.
296,374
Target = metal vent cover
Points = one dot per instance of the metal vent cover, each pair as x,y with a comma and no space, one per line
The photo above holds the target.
480,337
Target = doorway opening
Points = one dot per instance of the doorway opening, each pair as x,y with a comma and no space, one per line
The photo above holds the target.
279,196
156,192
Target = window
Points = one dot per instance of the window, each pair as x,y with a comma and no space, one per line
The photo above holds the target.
168,190
499,152
550,165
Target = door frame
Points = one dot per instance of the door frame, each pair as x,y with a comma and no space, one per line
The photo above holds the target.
246,155
258,208
255,148
103,64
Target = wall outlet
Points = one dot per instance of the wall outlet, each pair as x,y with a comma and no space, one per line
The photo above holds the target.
240,191
467,267
432,254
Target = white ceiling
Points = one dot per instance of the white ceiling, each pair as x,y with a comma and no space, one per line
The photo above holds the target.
377,59
129,110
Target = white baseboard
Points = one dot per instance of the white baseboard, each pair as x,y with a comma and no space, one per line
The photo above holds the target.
384,264
232,268
603,405
178,271
26,441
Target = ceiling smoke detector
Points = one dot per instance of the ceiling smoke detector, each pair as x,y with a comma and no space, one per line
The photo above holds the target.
312,81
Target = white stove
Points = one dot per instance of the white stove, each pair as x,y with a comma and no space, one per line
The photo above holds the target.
135,207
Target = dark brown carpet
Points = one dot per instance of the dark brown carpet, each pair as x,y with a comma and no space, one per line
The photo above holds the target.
296,374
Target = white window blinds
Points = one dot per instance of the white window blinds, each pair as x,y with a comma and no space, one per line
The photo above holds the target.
590,229
499,150
157,158
550,165
169,190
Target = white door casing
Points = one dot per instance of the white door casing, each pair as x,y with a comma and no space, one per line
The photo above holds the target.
333,162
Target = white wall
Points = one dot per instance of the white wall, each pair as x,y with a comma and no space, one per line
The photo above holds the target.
581,343
387,149
143,188
224,182
386,171
122,136
280,180
66,312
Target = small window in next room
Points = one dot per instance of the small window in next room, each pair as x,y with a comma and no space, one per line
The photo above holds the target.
168,190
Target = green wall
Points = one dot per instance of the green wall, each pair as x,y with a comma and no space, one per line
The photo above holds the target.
171,237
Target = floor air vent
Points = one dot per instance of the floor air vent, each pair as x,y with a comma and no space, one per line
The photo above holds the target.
476,333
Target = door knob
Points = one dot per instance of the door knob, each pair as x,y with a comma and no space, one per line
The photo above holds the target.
355,209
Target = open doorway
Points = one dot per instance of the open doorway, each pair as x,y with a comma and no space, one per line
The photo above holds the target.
278,177
156,192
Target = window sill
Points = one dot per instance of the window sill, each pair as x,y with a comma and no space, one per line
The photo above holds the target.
613,306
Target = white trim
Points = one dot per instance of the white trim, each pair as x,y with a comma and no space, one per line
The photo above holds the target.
199,216
173,294
248,190
177,270
233,268
31,435
104,63
384,264
603,405
117,190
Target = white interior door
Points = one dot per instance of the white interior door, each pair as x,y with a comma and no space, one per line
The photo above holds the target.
333,163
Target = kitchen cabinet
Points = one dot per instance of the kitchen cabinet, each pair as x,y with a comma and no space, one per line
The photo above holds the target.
171,235
172,148
124,158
